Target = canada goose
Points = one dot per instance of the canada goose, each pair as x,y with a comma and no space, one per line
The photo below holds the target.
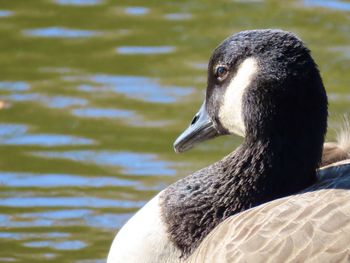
265,86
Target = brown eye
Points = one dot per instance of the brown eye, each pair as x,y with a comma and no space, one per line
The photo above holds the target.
221,72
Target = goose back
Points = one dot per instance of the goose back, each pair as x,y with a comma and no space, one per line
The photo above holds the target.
312,226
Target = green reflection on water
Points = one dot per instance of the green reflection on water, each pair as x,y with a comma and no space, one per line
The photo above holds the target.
52,57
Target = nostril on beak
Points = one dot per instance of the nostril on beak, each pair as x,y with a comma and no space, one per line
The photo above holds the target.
195,119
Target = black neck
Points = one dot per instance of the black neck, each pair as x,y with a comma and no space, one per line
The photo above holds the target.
256,172
271,169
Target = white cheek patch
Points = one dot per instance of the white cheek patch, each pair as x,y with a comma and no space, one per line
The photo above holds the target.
230,112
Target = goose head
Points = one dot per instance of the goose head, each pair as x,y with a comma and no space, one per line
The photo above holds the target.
265,86
262,84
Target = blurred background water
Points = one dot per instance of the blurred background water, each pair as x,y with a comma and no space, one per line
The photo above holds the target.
93,94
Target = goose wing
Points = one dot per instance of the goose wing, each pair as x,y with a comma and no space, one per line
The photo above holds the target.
313,226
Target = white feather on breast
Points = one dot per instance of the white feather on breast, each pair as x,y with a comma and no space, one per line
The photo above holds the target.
143,239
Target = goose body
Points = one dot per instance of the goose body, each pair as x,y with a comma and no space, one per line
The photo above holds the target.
261,201
312,226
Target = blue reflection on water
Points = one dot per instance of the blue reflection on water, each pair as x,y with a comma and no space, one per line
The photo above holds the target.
134,87
5,13
130,162
16,222
129,117
48,201
12,179
60,32
46,218
333,4
60,214
59,245
64,217
136,10
58,102
102,113
16,134
63,101
14,85
46,140
111,221
144,50
11,235
7,235
11,130
78,2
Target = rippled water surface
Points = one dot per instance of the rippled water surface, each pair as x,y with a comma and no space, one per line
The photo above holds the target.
93,93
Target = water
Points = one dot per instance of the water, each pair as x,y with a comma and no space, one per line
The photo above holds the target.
78,2
4,13
145,50
340,5
93,94
136,10
58,32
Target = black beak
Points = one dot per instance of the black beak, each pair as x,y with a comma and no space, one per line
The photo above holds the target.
201,129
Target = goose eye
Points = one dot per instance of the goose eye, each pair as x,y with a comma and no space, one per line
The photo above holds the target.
221,72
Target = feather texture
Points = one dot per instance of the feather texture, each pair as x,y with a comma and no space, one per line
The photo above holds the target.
312,226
